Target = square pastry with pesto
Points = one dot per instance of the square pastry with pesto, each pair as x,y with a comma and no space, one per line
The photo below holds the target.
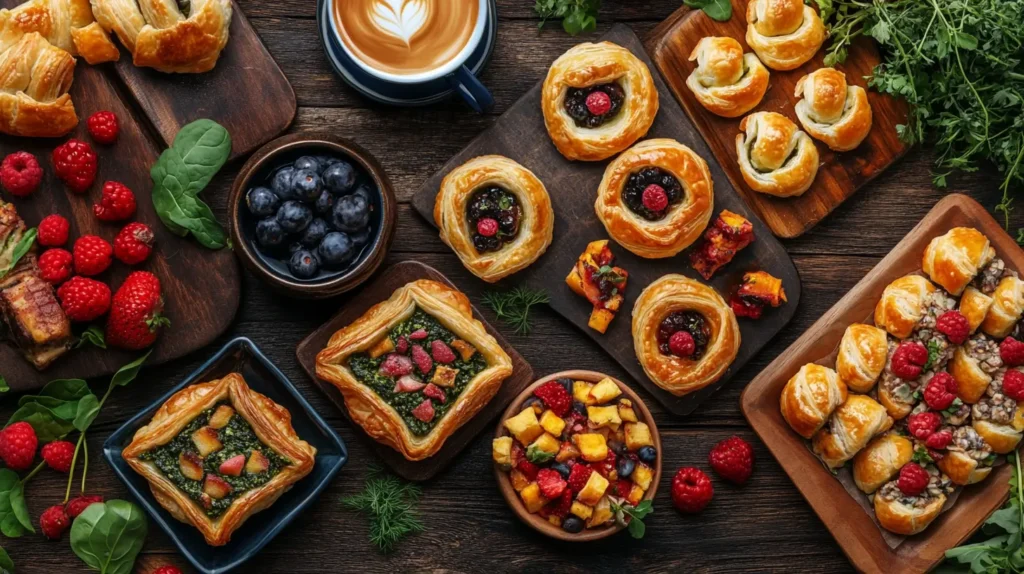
415,368
218,452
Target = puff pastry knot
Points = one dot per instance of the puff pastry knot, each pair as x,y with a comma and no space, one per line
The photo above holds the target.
952,260
832,111
862,355
851,426
672,294
536,221
591,65
879,462
726,81
810,397
35,77
67,24
784,33
902,305
774,156
663,234
162,35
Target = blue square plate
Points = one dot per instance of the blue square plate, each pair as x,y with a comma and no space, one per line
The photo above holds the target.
240,355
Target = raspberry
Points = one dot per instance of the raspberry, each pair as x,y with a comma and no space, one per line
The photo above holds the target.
78,505
578,477
733,460
418,335
487,227
54,521
1013,385
606,466
84,299
433,391
691,490
908,359
551,484
53,231
599,103
75,164
58,454
396,365
528,469
402,345
954,326
922,425
622,487
92,255
913,479
55,266
441,352
134,243
117,203
167,570
564,504
681,344
939,440
18,446
20,174
1011,351
103,127
423,361
555,397
940,392
654,198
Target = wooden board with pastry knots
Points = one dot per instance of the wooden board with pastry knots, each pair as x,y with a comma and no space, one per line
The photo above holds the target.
736,78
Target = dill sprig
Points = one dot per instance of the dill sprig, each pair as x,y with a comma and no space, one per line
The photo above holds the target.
391,506
513,307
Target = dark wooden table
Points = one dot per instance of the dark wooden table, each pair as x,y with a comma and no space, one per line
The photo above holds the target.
764,526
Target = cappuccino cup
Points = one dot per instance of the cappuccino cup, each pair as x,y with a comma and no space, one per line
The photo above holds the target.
415,42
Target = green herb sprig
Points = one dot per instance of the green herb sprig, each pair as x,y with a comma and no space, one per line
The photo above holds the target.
577,16
635,525
720,10
390,504
1003,552
513,307
24,244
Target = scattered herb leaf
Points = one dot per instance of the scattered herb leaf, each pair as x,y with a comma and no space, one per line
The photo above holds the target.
6,564
4,387
1003,551
108,536
20,249
577,16
720,10
636,525
921,456
10,526
513,307
537,456
390,504
93,336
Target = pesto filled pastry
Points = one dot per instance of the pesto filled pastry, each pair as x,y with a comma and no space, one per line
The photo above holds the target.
1007,307
656,198
909,514
218,452
810,397
783,33
684,334
415,368
496,215
862,356
726,81
597,100
774,156
954,259
879,462
832,111
855,422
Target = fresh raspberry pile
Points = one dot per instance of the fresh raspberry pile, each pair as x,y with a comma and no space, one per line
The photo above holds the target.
75,163
1013,385
117,203
58,455
20,174
78,505
940,392
135,318
555,397
578,477
55,266
1011,351
441,352
908,359
691,490
18,444
939,439
103,127
733,460
92,255
954,326
551,484
134,243
53,231
54,521
84,299
913,479
922,425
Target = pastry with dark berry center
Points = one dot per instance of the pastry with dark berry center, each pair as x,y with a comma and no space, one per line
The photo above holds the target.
683,334
493,215
595,277
594,106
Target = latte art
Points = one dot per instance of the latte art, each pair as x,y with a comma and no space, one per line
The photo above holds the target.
406,37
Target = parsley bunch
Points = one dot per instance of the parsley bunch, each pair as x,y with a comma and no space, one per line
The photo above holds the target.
1003,552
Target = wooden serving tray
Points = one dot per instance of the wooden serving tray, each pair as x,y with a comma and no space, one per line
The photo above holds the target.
520,134
854,530
377,291
840,174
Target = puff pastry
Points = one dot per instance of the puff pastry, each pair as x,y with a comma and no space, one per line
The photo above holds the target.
162,35
269,421
810,397
66,24
628,86
952,260
534,217
678,175
974,365
366,407
964,460
35,77
1007,307
902,305
726,81
862,356
675,303
832,111
774,156
849,429
879,462
908,515
783,33
997,418
974,305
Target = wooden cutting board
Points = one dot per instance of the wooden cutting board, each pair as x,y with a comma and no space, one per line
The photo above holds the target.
200,287
841,173
382,288
520,134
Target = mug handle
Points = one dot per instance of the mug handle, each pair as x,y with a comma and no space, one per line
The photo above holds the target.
469,87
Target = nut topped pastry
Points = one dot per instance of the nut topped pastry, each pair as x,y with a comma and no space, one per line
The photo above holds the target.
910,503
726,81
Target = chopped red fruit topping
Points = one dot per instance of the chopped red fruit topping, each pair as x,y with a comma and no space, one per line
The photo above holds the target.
402,346
551,484
396,365
233,466
423,361
418,335
555,397
578,477
408,384
528,469
441,352
433,391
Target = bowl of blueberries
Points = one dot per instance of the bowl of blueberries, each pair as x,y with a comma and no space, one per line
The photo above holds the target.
313,217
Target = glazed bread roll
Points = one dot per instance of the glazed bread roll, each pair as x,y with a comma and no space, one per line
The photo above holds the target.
1007,307
907,515
862,356
783,33
726,81
902,305
879,462
974,365
774,156
810,397
849,429
974,305
966,461
952,260
832,111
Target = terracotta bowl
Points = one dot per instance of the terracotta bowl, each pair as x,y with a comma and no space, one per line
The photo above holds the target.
290,148
512,497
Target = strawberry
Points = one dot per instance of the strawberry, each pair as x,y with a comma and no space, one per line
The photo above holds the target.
135,318
551,484
423,361
555,397
578,477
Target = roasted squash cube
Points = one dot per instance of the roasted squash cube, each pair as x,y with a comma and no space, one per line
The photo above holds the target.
465,350
642,476
636,494
581,392
581,510
501,451
600,319
191,465
258,463
532,498
604,391
593,446
216,487
207,441
593,490
552,423
604,416
567,451
444,376
385,346
626,412
221,417
575,281
518,479
638,435
524,426
546,443
602,513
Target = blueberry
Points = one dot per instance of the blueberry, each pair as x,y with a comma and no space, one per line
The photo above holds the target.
361,238
351,214
625,467
533,402
282,182
572,524
315,233
579,408
365,192
567,384
326,161
562,469
336,249
269,232
617,447
340,177
294,217
307,162
305,185
262,202
295,246
303,264
648,454
324,203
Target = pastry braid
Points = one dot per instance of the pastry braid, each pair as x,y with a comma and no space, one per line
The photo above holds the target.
67,24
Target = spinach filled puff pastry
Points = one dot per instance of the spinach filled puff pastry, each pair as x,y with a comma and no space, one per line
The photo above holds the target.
832,111
726,81
415,368
218,452
783,33
774,156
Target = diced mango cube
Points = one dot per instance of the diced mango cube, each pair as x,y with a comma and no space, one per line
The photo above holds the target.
501,451
552,423
626,412
600,319
465,350
524,426
604,416
581,392
636,494
546,443
605,391
602,513
444,376
642,476
532,498
555,520
384,346
581,510
593,490
593,446
638,435
567,451
518,479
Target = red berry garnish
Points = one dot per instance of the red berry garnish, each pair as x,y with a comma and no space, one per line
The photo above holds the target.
103,127
117,203
939,440
487,227
733,460
555,397
913,479
54,521
134,243
691,490
599,103
92,255
84,299
53,231
18,444
75,163
551,484
441,352
20,174
58,455
954,326
654,198
78,505
578,477
55,266
940,392
908,359
1013,385
1011,351
681,344
922,425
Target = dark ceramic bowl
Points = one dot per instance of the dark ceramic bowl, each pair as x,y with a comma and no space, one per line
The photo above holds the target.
242,356
274,271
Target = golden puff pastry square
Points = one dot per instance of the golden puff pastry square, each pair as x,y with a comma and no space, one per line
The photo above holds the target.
953,259
236,446
681,182
35,77
775,157
627,87
394,367
783,33
726,81
506,251
832,111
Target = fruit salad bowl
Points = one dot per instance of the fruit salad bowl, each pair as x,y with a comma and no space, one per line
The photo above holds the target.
618,424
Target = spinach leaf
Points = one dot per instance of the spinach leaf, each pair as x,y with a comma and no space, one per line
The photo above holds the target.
88,408
93,336
204,147
10,525
18,506
720,10
127,373
577,15
48,427
20,249
4,387
55,411
108,536
6,564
